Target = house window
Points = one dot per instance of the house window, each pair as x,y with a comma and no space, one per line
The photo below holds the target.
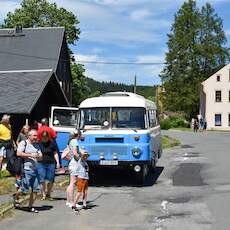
218,78
229,119
218,96
217,119
229,96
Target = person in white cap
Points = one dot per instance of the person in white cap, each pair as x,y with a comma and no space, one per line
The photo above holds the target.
6,142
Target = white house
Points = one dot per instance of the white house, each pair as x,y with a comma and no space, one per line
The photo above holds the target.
215,100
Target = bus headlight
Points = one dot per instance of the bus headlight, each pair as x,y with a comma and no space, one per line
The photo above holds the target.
136,152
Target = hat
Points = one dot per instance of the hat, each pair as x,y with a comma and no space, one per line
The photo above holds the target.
5,117
44,121
76,132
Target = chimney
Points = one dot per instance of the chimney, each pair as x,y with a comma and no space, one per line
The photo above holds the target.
18,29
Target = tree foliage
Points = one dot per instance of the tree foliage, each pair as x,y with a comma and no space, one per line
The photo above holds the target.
195,51
97,88
80,89
41,13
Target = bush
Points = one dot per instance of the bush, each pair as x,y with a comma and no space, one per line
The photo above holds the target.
174,122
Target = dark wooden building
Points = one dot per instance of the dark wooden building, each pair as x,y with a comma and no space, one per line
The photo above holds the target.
34,73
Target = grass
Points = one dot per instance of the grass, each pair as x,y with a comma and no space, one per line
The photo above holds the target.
169,142
182,129
6,183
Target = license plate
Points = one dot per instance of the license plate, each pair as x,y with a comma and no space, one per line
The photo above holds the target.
106,162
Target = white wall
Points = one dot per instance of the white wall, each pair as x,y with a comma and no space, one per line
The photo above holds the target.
210,86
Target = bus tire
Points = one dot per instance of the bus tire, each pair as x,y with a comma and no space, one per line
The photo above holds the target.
153,165
142,174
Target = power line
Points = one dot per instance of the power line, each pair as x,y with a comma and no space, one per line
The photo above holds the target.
120,63
84,62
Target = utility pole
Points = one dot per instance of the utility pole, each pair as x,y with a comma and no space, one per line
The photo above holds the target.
135,84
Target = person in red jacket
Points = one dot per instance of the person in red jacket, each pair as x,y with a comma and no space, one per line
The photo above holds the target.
46,128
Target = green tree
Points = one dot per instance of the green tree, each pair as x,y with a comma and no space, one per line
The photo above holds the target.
195,51
212,41
41,13
80,88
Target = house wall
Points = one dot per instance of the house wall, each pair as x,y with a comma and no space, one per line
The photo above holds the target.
210,106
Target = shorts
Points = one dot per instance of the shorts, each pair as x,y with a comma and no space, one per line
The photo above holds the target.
82,185
18,181
30,180
3,152
73,168
46,172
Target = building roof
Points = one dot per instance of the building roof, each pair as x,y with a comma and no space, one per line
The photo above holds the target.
20,90
226,67
33,48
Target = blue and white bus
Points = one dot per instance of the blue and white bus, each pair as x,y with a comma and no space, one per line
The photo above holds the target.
119,130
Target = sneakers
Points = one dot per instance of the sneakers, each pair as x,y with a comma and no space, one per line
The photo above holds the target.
68,204
77,207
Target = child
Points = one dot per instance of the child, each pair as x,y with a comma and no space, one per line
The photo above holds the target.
82,181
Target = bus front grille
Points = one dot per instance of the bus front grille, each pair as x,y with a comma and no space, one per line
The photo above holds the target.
103,149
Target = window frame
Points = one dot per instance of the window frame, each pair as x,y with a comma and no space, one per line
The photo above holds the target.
220,119
216,96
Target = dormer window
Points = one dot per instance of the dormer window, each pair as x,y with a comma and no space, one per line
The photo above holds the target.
218,78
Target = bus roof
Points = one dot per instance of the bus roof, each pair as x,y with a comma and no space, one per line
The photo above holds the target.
118,99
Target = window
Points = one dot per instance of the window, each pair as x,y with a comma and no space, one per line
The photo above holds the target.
218,78
217,119
128,118
229,119
229,96
152,118
218,96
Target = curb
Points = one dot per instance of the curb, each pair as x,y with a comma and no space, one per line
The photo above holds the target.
10,206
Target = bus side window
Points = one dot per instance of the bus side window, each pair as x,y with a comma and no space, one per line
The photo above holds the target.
152,118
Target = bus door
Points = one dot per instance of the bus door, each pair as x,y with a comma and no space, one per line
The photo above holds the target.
154,133
63,120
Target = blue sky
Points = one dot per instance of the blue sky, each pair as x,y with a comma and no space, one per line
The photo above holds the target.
124,31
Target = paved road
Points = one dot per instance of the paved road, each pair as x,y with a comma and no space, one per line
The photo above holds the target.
189,191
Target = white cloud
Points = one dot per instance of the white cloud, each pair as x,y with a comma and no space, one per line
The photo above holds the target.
140,14
7,6
87,58
227,33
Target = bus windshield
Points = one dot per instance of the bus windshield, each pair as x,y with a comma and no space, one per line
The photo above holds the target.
94,118
116,118
128,118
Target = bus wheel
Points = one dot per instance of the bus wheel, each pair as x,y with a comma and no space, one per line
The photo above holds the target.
153,165
142,174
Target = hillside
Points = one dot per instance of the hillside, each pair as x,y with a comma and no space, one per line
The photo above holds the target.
97,88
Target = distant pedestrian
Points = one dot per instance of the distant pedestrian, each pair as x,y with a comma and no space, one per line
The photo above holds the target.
74,152
196,125
82,181
46,167
205,124
6,139
29,150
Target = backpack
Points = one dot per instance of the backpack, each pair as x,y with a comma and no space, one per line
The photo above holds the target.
15,164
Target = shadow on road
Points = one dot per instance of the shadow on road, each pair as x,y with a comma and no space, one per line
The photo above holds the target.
120,178
40,208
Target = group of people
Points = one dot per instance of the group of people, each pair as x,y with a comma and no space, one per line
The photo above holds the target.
198,124
38,149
